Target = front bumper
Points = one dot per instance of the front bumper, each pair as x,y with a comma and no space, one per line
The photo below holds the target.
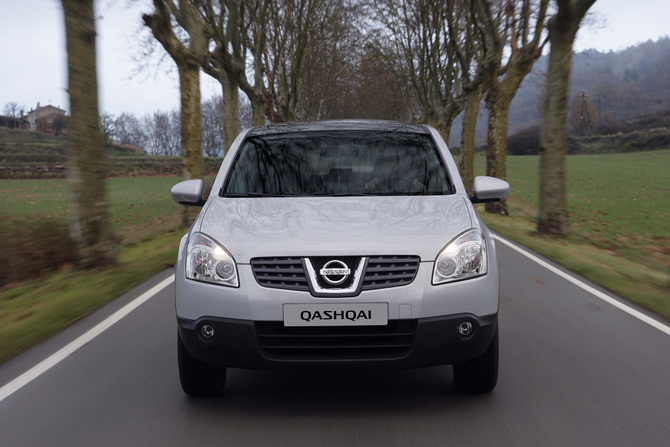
400,344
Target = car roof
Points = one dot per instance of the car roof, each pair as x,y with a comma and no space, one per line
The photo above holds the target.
356,125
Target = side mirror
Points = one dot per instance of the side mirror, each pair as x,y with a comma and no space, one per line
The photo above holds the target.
188,192
489,189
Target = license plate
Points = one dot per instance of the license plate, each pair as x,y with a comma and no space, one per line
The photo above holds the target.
339,314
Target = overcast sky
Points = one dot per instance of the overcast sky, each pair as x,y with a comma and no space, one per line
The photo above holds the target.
33,65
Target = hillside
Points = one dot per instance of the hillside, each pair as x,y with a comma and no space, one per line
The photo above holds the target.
25,154
618,85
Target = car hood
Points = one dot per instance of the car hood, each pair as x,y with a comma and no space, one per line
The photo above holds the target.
335,226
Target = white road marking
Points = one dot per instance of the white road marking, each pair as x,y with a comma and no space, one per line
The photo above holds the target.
597,293
54,359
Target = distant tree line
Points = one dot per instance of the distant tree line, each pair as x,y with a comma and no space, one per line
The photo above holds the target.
159,133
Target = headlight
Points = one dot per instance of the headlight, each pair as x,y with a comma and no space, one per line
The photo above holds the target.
208,261
462,258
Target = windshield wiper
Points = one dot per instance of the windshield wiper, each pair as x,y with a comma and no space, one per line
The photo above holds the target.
236,195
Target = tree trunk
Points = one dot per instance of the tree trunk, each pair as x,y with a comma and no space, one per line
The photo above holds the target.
191,120
88,212
191,129
231,112
563,26
258,111
552,218
447,115
188,66
258,102
498,104
467,163
255,92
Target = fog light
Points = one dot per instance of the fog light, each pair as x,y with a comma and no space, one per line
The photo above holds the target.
207,331
465,329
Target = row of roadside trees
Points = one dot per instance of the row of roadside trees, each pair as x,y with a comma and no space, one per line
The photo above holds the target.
419,60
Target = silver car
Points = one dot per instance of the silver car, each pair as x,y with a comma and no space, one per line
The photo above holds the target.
337,244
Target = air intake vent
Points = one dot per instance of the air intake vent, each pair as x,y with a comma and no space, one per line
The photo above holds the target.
393,341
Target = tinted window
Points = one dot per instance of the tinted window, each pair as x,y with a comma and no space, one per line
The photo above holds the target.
338,163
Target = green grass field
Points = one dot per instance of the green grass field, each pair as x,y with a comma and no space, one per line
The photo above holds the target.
140,206
618,202
619,217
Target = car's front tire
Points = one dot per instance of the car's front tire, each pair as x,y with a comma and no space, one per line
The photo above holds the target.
198,379
480,374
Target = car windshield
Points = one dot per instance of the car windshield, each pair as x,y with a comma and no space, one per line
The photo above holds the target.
337,163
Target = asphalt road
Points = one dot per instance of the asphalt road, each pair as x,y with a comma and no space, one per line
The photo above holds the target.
574,370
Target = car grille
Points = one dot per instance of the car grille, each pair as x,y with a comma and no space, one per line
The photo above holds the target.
390,271
381,272
280,273
392,341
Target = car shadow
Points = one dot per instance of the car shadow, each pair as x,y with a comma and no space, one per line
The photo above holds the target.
338,391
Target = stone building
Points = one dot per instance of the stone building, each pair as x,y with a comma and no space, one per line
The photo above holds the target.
46,119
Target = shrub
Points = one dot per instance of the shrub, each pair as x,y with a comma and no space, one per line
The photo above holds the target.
525,142
29,248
